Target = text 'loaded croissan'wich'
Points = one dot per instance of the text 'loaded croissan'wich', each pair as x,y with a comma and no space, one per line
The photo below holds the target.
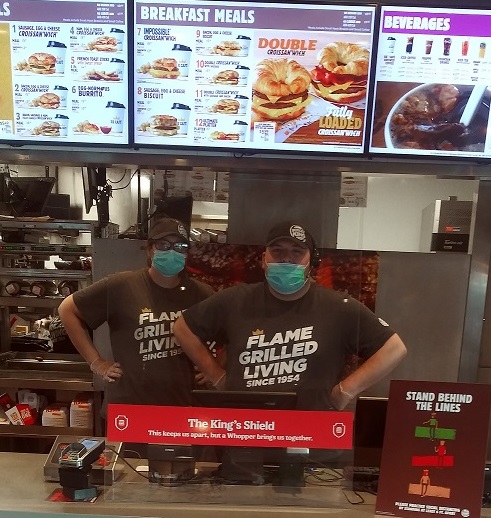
342,73
280,90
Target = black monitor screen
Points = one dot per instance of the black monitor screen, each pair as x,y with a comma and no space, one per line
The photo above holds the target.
246,399
28,196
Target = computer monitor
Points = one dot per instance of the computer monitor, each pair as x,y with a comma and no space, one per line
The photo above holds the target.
246,399
28,195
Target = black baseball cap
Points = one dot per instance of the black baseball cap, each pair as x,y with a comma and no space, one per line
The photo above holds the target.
293,232
168,227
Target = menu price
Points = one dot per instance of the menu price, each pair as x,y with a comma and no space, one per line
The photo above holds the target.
252,75
68,79
431,66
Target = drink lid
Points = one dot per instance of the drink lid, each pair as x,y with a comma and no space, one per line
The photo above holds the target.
178,46
179,106
56,44
112,104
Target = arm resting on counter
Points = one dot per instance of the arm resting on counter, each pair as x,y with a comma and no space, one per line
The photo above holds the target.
199,354
370,372
80,337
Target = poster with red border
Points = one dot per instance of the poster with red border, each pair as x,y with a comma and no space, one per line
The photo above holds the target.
434,449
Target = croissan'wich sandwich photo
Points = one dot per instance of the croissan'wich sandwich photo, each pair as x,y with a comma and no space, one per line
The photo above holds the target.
280,91
342,73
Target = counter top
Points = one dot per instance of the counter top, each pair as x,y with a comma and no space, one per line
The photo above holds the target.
23,491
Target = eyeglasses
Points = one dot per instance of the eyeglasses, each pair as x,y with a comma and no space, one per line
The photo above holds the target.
167,245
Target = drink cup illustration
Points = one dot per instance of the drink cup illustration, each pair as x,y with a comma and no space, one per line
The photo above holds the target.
245,43
391,43
243,75
62,120
113,118
182,55
58,50
447,42
429,45
119,35
62,93
181,112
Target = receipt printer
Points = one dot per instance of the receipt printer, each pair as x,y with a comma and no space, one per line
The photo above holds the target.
169,463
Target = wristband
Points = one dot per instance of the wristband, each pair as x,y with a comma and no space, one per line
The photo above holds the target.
96,360
219,379
347,394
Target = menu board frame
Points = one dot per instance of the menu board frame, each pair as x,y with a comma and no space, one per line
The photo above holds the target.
393,131
158,128
83,99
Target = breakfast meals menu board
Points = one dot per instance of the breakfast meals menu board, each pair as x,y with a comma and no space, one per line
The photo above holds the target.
433,83
65,71
252,75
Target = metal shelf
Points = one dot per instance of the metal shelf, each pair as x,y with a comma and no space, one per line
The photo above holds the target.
13,249
55,225
38,431
46,274
34,302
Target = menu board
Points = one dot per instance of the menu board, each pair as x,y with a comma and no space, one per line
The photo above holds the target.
64,67
433,83
252,75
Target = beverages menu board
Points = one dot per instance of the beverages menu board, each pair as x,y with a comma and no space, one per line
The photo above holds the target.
433,83
252,75
65,71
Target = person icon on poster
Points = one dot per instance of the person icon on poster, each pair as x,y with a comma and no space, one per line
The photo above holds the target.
441,451
433,425
425,482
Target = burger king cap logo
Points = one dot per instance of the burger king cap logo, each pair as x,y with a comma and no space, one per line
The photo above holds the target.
182,231
298,233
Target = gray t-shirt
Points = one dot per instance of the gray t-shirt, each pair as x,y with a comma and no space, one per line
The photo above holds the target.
299,346
140,315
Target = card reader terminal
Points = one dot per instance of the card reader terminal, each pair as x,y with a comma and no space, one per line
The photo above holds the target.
81,453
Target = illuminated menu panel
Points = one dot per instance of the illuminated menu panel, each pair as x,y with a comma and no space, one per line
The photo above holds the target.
252,75
433,83
65,72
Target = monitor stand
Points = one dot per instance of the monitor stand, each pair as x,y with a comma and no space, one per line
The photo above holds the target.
242,465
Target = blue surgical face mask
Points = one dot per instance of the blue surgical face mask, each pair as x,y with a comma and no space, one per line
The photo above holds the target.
168,262
286,278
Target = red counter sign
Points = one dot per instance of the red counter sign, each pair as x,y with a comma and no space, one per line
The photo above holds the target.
229,426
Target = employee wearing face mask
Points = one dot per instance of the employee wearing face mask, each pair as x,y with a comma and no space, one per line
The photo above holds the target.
140,308
288,333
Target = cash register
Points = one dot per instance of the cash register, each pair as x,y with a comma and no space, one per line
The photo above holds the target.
71,455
